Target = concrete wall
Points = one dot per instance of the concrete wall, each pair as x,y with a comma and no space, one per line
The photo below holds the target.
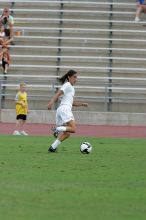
91,118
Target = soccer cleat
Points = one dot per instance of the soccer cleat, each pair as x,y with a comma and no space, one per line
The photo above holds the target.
51,150
16,133
23,133
55,132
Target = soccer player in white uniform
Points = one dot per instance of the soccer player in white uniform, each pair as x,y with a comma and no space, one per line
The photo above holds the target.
65,123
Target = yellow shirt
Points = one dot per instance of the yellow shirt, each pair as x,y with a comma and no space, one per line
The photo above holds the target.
21,97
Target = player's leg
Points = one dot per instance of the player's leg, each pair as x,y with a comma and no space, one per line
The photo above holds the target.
70,128
65,118
17,127
64,121
23,122
63,136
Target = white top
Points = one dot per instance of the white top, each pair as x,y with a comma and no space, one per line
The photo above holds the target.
2,34
9,21
69,92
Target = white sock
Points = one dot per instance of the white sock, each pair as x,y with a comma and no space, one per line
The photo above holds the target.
61,128
55,144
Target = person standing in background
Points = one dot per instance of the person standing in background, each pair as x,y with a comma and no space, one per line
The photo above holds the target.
6,59
21,110
141,6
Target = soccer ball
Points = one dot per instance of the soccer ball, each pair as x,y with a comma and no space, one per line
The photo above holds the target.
85,148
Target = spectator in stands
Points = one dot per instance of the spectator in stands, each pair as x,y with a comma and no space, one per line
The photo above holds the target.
4,54
141,6
8,22
21,110
65,123
3,40
5,57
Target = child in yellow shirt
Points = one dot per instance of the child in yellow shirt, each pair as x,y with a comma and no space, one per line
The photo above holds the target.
21,110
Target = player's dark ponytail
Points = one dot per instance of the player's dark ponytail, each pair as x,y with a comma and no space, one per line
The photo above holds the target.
68,74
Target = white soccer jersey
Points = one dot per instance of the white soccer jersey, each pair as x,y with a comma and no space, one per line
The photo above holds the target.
69,92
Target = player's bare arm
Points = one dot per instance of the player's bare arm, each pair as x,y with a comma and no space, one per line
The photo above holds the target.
54,99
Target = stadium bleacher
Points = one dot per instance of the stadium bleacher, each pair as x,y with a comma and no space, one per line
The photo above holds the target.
99,39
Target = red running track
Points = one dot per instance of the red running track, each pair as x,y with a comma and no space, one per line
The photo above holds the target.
82,130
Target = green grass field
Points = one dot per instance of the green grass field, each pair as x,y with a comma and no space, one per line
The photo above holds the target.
108,184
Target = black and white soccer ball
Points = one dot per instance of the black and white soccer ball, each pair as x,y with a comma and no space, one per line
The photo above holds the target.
85,148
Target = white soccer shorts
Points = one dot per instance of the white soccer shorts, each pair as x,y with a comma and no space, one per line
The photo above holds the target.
63,115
